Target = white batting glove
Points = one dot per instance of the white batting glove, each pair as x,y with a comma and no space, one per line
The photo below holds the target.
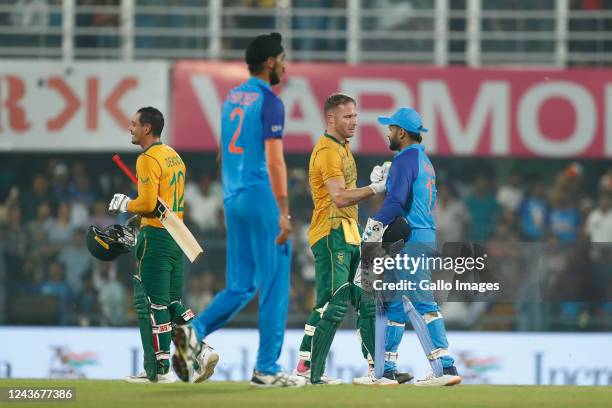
377,174
118,204
378,177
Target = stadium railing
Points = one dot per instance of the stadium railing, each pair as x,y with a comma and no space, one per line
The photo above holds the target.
541,32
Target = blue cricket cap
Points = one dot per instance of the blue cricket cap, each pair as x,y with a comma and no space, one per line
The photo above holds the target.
406,118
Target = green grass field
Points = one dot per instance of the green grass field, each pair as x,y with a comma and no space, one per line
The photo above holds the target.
116,394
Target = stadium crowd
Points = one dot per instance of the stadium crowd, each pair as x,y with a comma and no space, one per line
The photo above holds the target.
47,275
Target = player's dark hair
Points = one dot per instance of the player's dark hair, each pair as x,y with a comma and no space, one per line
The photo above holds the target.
260,49
337,99
415,136
256,69
152,116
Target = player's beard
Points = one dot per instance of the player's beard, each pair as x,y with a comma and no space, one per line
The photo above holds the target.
394,145
274,76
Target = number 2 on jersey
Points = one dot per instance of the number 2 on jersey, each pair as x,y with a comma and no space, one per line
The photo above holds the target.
232,146
176,179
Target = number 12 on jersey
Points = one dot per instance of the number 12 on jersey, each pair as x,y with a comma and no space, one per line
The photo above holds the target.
176,180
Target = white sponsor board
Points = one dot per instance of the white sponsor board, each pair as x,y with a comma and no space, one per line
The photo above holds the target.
493,358
81,106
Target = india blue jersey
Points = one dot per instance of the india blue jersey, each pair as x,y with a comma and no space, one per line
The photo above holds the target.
411,189
251,113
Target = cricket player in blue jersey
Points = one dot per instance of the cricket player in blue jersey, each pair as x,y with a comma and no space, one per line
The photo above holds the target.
411,194
254,178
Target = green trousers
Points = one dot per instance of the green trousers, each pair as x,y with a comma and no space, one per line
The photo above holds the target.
336,264
160,267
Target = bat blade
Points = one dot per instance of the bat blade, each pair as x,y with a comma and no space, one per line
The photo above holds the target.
178,231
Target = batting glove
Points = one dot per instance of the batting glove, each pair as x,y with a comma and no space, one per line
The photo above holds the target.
118,204
378,177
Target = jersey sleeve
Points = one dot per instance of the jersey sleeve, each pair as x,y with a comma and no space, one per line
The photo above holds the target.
328,163
404,170
148,171
273,116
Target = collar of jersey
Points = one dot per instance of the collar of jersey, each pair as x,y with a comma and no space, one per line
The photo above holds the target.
412,146
334,139
260,82
154,144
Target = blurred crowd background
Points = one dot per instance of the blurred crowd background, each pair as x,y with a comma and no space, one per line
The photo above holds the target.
557,211
47,276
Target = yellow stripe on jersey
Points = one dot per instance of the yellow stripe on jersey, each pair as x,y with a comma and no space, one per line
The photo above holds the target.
330,159
160,172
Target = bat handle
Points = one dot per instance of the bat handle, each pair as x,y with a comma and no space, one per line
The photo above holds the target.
124,168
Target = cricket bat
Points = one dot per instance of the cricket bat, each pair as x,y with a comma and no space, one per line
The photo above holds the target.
173,224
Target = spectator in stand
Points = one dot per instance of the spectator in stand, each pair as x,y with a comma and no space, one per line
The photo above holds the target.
77,259
307,22
504,232
61,183
112,298
16,241
106,20
3,276
605,183
200,291
598,230
100,215
483,210
203,205
38,193
38,232
86,306
60,231
82,196
599,222
532,214
564,219
451,216
56,285
510,195
301,201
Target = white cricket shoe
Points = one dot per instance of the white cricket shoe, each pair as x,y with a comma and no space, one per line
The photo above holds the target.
279,379
444,380
205,363
371,380
325,380
186,348
142,378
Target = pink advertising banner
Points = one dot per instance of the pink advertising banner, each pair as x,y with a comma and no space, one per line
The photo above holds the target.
469,112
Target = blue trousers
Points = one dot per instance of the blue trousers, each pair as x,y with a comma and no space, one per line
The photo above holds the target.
423,301
254,263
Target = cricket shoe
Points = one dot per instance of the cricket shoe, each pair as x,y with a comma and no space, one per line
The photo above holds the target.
204,366
186,348
401,378
371,380
325,380
279,379
449,377
142,378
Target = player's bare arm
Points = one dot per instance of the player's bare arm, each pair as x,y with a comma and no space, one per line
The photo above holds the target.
343,197
277,170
